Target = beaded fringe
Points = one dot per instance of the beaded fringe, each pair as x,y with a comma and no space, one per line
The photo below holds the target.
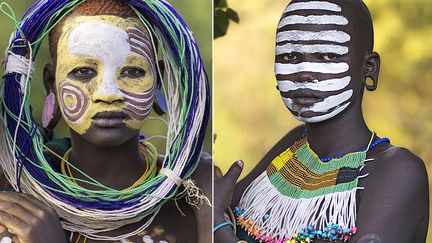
282,216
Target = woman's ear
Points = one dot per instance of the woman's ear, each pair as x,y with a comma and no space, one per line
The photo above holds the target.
49,78
51,112
372,68
160,104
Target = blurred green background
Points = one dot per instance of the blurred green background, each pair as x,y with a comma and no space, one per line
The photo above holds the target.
198,16
250,116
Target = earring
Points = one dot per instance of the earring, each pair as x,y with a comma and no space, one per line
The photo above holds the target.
50,112
371,87
160,104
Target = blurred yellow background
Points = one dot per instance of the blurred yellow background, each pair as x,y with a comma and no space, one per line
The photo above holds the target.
250,116
198,16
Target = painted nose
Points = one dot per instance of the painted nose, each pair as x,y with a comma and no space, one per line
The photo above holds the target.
304,77
108,92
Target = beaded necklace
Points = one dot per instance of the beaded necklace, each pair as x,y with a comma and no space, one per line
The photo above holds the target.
299,198
149,156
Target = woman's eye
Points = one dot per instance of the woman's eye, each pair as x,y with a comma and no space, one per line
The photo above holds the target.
329,57
133,73
83,73
290,57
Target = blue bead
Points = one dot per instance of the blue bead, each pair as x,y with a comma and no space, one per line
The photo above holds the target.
324,235
333,232
334,237
319,232
310,228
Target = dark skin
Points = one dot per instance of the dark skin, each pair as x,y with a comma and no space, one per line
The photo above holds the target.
112,157
397,185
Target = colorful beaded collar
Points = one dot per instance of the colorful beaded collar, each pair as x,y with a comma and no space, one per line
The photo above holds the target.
299,198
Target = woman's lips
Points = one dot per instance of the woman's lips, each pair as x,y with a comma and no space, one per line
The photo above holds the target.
305,97
109,119
305,101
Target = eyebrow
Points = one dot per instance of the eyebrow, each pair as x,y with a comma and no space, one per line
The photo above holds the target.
310,49
315,5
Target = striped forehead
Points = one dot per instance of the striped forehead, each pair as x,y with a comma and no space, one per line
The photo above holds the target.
325,18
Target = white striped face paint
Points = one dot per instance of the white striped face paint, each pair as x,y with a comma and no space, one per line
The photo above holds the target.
313,75
105,64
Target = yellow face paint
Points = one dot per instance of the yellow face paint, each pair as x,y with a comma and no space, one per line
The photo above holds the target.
104,63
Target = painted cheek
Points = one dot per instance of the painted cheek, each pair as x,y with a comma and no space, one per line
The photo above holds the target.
74,100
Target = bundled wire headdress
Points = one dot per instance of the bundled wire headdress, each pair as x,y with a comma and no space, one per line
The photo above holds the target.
92,212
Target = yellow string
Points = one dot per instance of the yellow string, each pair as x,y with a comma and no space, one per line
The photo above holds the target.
78,238
146,149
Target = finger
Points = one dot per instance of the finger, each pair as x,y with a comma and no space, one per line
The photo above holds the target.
218,173
14,224
206,156
2,229
15,240
33,205
233,174
17,210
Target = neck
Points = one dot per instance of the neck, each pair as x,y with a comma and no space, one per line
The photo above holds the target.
116,167
347,132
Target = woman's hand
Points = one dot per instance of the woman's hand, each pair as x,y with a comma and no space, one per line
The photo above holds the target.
29,220
223,192
224,186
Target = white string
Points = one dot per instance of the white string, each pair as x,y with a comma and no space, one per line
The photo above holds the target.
19,64
171,175
90,222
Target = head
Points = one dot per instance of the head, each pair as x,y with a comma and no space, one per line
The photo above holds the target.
324,54
103,73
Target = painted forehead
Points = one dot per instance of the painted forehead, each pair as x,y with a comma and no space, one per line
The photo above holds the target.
317,22
84,35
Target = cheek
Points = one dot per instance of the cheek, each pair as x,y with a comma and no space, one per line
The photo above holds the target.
73,99
138,105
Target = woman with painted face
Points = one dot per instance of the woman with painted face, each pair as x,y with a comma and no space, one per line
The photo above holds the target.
332,179
106,182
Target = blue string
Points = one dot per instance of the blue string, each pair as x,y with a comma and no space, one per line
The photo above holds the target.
33,27
373,145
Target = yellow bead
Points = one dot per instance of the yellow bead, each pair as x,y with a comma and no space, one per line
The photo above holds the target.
295,235
308,240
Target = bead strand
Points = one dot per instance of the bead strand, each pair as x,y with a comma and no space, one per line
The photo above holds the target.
373,145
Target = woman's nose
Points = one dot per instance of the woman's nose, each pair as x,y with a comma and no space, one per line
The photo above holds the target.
304,77
107,91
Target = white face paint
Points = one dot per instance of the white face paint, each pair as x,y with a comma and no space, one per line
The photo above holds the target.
313,67
324,85
313,19
313,5
326,35
318,99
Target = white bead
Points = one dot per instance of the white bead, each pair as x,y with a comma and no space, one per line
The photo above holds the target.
6,240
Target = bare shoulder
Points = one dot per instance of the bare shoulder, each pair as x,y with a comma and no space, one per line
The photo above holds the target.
396,188
401,164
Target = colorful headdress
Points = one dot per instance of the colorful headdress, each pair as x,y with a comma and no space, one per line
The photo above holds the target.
92,212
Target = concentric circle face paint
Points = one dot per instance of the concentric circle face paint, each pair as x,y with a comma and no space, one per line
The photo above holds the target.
74,100
105,64
313,44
